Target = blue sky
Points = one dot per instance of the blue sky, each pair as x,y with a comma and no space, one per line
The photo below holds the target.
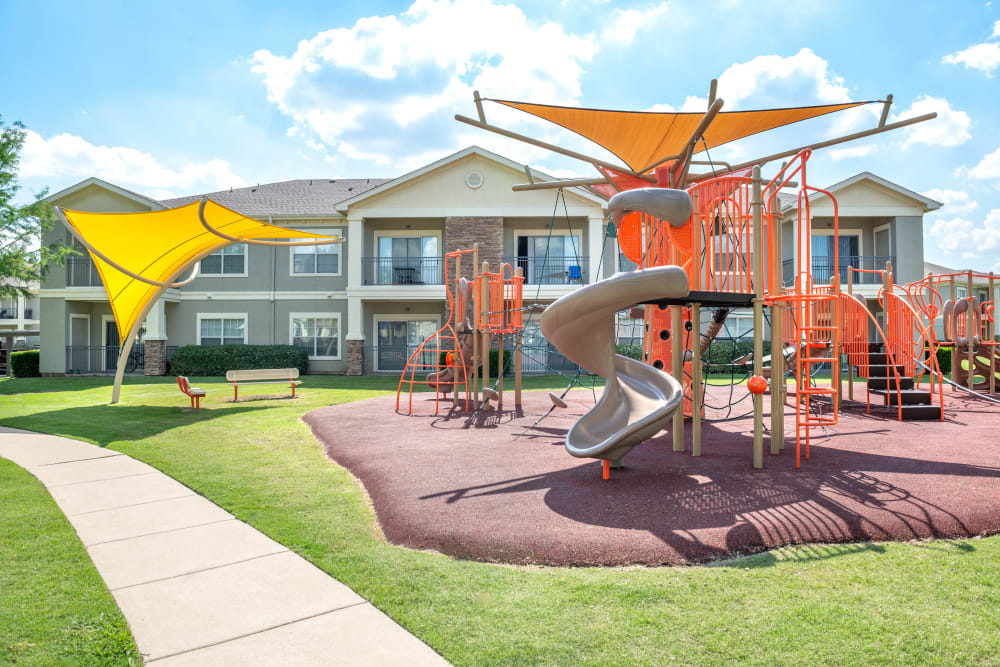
181,97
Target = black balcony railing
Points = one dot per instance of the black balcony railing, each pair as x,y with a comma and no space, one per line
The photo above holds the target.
81,272
552,270
823,268
402,270
102,359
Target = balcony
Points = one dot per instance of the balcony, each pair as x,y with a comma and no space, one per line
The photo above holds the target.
402,271
81,272
823,269
552,270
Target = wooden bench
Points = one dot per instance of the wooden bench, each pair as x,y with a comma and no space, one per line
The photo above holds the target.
193,393
263,376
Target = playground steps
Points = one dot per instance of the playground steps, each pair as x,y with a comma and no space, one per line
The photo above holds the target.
908,403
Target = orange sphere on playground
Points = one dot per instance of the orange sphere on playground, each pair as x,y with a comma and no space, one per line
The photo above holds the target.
757,384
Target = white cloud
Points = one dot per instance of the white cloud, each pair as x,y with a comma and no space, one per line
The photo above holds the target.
853,152
387,86
66,155
971,239
987,169
627,22
955,201
985,57
950,128
774,80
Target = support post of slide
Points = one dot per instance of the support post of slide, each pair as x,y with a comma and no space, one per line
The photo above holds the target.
501,367
850,368
475,319
969,334
485,310
990,331
518,341
677,361
777,333
758,318
838,314
954,342
695,379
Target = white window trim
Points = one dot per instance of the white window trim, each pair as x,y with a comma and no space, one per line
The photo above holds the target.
81,316
225,316
337,315
401,317
246,266
328,231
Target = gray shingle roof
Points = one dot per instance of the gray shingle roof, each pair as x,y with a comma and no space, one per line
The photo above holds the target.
299,197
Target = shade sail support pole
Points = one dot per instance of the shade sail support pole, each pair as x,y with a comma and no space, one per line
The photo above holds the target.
552,147
824,144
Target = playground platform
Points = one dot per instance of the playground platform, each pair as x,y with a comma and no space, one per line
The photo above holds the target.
501,490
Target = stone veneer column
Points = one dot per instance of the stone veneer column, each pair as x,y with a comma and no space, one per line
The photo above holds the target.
355,357
460,232
156,357
155,341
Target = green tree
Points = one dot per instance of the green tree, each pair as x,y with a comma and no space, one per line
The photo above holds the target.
23,258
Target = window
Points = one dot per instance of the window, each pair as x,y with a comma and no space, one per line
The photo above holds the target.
317,333
398,339
8,308
408,260
629,330
316,260
230,261
550,260
229,329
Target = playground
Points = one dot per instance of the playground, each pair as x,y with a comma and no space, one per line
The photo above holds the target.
504,491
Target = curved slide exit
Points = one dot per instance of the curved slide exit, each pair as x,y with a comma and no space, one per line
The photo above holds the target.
638,400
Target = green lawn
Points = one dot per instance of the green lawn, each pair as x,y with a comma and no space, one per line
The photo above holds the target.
887,603
54,607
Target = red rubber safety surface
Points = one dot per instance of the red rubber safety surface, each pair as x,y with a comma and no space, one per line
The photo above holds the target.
500,490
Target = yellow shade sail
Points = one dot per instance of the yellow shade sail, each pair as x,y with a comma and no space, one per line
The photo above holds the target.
159,246
643,138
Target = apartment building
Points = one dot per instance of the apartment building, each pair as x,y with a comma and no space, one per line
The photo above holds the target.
362,306
358,307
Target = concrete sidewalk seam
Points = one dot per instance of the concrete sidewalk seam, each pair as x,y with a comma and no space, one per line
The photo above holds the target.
94,481
146,502
204,569
159,532
94,458
257,632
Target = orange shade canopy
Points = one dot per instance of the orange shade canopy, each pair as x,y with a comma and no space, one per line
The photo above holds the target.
160,246
642,139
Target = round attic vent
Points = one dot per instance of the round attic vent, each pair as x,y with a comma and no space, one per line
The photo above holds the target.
474,179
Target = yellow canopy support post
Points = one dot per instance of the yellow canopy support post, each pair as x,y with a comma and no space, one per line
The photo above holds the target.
139,256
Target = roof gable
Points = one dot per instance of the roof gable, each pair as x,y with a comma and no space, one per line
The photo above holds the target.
867,194
424,187
95,194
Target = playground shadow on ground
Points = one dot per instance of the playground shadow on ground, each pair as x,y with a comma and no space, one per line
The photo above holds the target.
716,506
104,424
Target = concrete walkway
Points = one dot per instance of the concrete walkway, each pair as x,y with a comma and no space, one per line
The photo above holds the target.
197,586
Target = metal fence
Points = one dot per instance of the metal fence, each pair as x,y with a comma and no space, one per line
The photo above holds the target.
81,272
402,270
823,268
552,270
102,359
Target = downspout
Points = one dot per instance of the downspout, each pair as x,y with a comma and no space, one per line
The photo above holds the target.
274,278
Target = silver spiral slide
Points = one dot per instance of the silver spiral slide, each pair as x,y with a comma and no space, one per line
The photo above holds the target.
638,400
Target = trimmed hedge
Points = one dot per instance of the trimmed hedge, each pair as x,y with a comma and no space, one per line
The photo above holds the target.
630,351
494,359
24,364
944,359
215,360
